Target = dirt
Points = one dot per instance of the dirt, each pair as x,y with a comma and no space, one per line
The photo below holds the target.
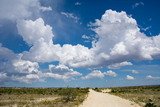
98,99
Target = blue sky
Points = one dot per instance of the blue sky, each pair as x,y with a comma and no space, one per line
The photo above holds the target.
79,43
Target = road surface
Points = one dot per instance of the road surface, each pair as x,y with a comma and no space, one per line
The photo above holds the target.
98,99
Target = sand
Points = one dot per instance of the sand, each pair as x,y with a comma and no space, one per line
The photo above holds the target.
98,99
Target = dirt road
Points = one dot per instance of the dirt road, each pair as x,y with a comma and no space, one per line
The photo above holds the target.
97,99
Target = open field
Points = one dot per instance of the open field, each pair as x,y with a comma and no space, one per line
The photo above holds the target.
42,97
145,96
148,96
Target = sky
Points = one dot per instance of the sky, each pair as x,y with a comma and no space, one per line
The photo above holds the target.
79,43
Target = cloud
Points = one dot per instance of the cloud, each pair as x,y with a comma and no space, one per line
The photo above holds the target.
40,36
132,71
23,66
34,31
20,9
152,77
3,77
31,74
120,40
99,74
13,68
75,56
110,73
42,52
118,65
61,72
29,78
6,54
147,28
135,71
78,4
45,8
94,74
112,49
86,37
6,58
137,4
71,16
128,77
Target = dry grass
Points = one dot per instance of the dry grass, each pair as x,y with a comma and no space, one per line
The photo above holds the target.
38,97
141,94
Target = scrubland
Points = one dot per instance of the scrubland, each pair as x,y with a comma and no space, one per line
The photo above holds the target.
147,96
42,97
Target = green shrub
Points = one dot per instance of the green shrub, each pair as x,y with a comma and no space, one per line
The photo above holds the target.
150,104
97,89
70,94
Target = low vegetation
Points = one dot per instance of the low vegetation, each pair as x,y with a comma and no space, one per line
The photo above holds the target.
97,89
42,97
147,96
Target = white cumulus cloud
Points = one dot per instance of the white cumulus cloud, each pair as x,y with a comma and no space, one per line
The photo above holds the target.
61,72
94,74
110,73
119,41
33,31
128,77
43,50
24,66
29,78
99,74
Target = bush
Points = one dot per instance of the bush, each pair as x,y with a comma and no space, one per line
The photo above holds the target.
69,94
150,104
97,89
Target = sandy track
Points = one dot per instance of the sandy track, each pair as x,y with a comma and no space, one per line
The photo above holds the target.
97,99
